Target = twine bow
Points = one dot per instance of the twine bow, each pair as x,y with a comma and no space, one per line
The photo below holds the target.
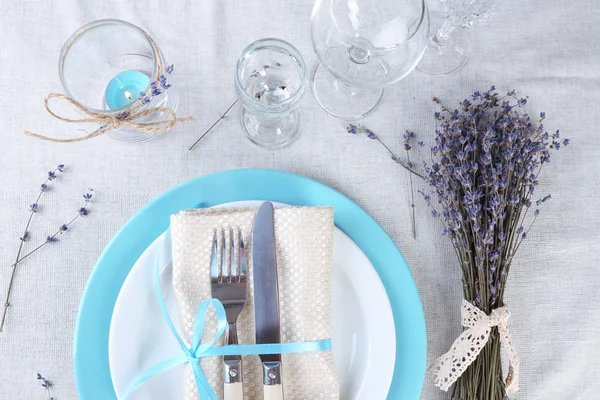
127,118
469,344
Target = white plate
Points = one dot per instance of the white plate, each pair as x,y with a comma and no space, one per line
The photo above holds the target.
364,337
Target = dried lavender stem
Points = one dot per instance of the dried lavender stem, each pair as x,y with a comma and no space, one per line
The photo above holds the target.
412,200
18,260
14,266
46,242
398,159
222,117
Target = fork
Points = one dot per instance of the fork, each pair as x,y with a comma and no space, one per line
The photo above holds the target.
228,285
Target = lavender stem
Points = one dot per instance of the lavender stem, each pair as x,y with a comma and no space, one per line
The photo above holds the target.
222,117
14,266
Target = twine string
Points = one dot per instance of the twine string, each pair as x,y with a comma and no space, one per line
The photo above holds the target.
128,117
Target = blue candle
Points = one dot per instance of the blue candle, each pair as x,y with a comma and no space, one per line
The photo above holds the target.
124,88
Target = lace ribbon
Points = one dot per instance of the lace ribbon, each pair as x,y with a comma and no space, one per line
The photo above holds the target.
192,354
469,344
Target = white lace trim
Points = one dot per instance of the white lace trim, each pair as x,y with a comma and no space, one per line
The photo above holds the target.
469,344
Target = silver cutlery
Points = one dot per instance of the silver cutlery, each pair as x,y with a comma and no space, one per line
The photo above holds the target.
266,299
228,285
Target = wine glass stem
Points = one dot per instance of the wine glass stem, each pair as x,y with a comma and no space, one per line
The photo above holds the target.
440,38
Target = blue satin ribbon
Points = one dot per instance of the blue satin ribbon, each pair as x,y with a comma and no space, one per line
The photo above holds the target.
197,350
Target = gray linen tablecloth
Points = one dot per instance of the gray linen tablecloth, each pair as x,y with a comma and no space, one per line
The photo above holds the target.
545,49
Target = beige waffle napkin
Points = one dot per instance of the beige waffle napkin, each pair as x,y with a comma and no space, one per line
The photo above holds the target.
304,245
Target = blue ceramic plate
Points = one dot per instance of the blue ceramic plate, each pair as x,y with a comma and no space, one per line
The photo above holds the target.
92,372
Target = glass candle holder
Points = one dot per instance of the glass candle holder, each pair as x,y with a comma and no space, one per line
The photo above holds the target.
270,80
106,64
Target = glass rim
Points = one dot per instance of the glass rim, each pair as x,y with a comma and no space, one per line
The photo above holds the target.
72,39
296,54
379,48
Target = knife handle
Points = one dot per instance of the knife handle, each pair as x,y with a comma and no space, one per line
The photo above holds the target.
272,387
273,392
232,379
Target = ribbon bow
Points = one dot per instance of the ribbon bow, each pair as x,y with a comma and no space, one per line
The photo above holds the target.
127,118
469,344
192,354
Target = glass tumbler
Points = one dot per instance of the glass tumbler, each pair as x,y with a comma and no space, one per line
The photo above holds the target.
106,64
270,80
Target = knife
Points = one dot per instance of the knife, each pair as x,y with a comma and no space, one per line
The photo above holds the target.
266,299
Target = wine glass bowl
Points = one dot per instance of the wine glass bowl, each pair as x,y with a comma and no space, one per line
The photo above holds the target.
363,46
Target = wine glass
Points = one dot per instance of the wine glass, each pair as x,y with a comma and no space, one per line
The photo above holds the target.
270,80
363,46
449,48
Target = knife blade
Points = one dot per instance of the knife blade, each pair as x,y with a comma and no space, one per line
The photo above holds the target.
266,299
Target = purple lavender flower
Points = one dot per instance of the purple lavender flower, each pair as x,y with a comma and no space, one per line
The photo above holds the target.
486,159
60,167
156,91
170,69
87,197
43,187
64,227
51,175
51,239
33,207
83,211
163,82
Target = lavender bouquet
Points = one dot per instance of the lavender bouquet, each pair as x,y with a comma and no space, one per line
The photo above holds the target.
487,156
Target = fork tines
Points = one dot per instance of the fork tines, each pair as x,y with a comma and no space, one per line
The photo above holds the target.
230,269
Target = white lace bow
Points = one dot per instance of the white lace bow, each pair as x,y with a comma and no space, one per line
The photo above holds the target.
469,344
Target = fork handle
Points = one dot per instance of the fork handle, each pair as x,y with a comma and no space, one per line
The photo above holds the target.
233,391
232,378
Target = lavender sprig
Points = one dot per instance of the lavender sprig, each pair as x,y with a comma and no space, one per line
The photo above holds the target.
33,208
52,238
157,87
49,239
46,384
408,136
356,129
